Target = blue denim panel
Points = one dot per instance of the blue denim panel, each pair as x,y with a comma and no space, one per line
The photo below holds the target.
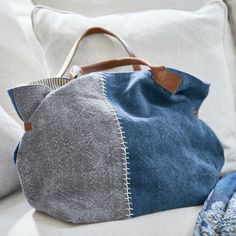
175,158
11,95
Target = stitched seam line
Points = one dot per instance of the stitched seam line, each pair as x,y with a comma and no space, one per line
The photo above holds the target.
124,148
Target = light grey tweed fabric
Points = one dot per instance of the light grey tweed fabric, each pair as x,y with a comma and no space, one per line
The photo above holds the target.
69,166
25,102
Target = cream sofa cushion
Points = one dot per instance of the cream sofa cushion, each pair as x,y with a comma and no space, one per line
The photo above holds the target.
18,218
18,63
10,135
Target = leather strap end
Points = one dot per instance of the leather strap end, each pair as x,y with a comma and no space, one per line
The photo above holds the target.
28,126
167,80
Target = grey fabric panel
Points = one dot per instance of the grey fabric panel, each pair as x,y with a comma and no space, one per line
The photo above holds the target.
70,164
28,97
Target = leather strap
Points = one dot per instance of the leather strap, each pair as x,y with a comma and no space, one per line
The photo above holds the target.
94,30
163,77
105,65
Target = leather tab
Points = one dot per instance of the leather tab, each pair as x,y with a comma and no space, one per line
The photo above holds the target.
167,80
28,126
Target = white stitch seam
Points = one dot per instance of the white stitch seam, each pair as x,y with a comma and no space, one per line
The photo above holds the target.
123,143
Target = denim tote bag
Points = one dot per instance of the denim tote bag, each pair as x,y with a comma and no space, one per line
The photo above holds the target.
101,146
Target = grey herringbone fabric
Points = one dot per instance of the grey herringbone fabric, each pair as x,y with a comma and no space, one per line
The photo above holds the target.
70,164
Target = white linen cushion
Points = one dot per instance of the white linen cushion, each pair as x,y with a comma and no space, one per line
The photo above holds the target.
22,11
107,7
18,63
10,135
188,41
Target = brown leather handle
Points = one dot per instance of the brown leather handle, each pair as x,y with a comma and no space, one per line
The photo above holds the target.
109,64
163,77
94,30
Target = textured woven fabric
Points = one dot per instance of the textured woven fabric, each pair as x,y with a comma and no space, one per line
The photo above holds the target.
175,159
111,146
70,165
